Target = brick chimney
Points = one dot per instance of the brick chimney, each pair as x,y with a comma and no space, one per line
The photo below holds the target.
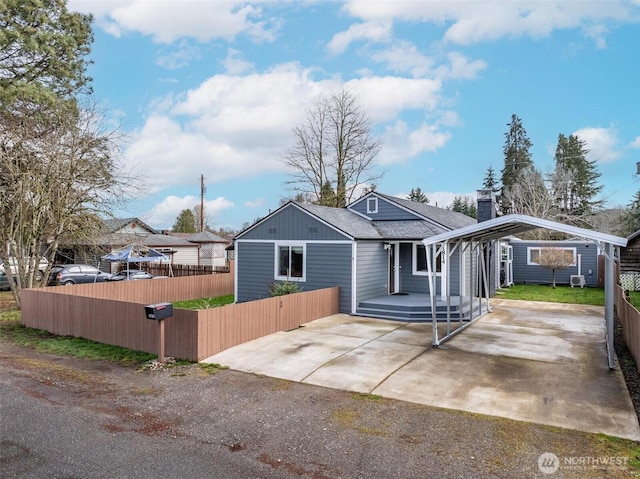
486,205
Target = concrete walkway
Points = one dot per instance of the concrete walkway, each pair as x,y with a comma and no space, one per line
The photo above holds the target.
537,362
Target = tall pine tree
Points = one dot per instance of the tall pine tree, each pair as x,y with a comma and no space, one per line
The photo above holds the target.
516,157
577,186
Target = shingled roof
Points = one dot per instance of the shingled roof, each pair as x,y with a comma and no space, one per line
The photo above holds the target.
430,220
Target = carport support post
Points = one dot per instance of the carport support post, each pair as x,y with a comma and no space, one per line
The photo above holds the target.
161,340
608,300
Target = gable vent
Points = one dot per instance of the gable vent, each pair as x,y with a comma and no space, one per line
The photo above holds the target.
313,229
272,231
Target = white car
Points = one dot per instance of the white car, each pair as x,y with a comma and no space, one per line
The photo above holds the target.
42,266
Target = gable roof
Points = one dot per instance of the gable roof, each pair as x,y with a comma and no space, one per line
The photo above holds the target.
357,227
343,220
447,218
205,237
114,224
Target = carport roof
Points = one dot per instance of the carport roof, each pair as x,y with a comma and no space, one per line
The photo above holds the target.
513,224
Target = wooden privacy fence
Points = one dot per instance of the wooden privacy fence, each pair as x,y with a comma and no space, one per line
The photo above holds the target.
629,318
178,270
113,313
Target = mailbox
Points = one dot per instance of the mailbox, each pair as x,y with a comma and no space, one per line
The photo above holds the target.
159,311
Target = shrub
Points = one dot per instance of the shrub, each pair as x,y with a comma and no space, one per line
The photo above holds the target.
285,287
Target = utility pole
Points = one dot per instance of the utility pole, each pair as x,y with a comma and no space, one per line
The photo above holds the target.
202,192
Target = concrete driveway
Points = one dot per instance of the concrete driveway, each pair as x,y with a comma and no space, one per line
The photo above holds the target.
537,362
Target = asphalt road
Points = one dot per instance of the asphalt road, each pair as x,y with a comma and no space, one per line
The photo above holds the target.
68,418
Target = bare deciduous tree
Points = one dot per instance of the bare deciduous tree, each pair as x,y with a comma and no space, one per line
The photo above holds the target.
55,183
334,150
554,258
529,195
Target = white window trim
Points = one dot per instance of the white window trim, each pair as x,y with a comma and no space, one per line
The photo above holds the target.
373,201
538,248
414,262
276,261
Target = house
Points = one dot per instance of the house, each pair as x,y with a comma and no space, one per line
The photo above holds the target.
521,258
370,249
630,256
212,248
120,232
630,263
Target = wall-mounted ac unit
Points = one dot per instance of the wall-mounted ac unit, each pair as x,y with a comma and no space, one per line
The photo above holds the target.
577,280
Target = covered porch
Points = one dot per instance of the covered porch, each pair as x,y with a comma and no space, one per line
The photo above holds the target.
418,307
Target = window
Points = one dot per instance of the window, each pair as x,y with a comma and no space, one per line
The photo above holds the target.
372,205
533,254
420,260
290,261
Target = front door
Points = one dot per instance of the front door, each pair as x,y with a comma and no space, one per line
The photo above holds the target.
394,267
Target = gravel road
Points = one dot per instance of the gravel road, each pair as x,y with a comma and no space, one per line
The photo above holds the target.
69,418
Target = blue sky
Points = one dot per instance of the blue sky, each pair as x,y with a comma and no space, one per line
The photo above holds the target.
215,88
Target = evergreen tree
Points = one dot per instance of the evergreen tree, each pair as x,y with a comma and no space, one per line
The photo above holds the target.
516,157
631,218
490,182
185,222
577,190
465,205
327,195
416,194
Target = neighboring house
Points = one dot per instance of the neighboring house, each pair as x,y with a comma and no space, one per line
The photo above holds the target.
630,263
583,270
122,232
212,248
630,255
372,248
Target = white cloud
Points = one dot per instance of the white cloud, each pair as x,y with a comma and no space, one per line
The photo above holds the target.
179,57
202,20
461,68
371,31
256,203
602,143
165,213
234,64
404,57
401,143
480,21
240,126
444,199
635,144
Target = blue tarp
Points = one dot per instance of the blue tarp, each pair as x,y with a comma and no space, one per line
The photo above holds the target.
135,254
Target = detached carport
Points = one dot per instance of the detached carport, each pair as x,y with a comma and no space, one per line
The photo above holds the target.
480,240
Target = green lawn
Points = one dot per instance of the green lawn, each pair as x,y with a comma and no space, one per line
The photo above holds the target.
634,299
561,294
204,303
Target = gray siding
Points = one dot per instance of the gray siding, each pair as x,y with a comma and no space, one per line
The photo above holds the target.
255,267
524,273
292,224
327,265
386,211
372,275
419,283
330,265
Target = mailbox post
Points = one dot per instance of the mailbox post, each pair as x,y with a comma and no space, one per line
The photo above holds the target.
159,312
